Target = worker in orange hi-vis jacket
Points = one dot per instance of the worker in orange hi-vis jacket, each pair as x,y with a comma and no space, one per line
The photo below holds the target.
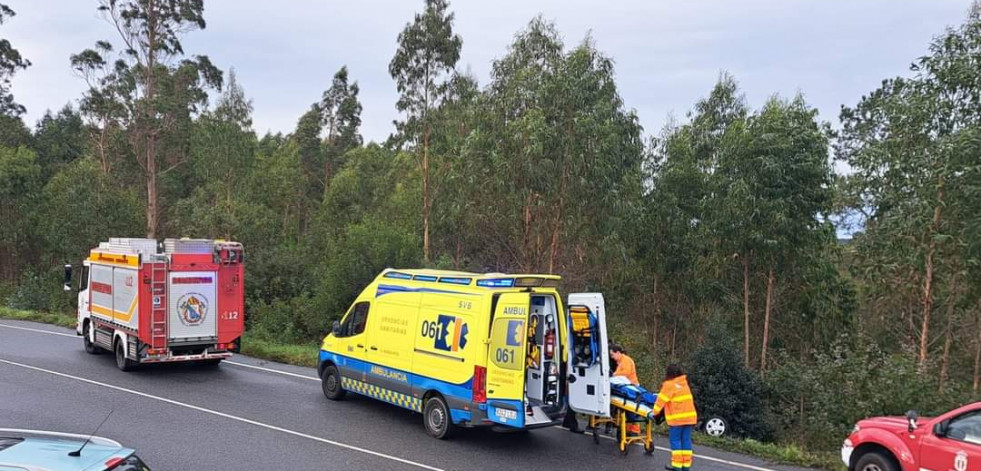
679,412
627,369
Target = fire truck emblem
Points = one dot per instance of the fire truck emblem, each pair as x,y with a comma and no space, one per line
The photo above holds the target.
193,308
960,461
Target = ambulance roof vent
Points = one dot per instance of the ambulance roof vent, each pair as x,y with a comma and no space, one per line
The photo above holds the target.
188,246
130,245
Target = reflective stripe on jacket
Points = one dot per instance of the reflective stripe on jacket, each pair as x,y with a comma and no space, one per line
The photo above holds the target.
676,400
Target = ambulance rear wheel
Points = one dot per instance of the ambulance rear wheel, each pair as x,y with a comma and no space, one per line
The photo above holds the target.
436,417
123,363
90,347
330,383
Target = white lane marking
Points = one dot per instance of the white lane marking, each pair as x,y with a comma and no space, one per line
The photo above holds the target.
226,361
271,370
227,416
39,330
704,457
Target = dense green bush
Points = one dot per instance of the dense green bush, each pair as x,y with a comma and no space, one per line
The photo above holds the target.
723,387
818,402
40,291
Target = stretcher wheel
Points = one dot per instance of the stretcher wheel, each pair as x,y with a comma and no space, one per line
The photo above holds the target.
649,448
624,449
596,435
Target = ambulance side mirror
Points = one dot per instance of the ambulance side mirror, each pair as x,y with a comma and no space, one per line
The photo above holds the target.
67,283
336,329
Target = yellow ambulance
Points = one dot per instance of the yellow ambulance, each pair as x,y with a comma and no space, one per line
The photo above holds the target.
467,349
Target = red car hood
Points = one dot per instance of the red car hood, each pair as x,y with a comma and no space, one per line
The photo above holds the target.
896,423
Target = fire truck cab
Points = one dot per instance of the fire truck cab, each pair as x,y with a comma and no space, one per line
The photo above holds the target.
147,302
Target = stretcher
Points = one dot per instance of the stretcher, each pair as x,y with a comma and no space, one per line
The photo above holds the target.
628,405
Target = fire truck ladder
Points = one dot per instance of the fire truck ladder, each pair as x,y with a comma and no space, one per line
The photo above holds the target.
158,309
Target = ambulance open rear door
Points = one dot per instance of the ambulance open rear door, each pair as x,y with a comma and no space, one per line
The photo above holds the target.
589,363
506,360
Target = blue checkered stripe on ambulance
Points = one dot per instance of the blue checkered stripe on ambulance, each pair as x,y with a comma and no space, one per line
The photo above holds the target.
387,395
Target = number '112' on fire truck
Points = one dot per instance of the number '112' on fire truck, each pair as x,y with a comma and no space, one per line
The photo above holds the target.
151,302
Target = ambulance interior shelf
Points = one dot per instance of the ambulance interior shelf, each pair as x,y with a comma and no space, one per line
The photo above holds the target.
542,380
585,342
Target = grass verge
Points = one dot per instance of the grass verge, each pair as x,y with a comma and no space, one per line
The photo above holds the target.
56,318
782,454
302,355
306,355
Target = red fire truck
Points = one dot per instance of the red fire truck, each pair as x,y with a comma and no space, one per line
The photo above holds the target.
948,442
147,302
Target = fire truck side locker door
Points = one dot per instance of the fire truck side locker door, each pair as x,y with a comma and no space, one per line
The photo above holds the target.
506,357
589,375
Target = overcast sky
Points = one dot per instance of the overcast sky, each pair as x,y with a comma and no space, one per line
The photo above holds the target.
667,53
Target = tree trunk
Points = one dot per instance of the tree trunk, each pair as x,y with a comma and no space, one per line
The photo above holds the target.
526,255
746,310
948,339
102,144
151,187
766,320
425,195
928,281
948,335
654,321
148,127
559,214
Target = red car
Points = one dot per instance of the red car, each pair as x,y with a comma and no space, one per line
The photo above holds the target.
950,442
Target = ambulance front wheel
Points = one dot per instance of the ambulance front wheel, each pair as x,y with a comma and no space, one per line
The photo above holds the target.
330,382
437,419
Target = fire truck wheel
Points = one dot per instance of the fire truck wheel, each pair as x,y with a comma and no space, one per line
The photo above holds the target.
875,461
436,418
330,382
123,363
90,347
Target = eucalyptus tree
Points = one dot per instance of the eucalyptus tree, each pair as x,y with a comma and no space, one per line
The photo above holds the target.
341,119
566,153
786,168
151,89
912,145
10,62
221,151
424,61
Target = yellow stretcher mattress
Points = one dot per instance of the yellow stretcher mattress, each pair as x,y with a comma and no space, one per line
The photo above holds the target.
632,406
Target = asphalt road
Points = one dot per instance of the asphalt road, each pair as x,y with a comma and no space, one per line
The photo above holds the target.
249,414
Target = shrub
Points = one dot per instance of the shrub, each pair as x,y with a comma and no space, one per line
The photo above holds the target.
723,387
819,400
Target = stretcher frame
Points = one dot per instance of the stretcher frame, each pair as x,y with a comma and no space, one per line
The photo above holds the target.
620,418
